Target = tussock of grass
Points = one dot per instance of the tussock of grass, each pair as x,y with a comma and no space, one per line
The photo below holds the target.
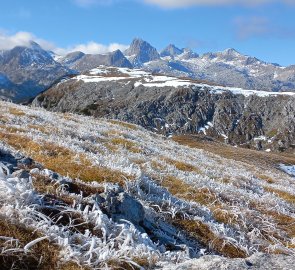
16,112
183,166
72,266
43,129
266,178
282,194
183,190
3,119
157,165
203,233
223,216
129,145
42,256
44,184
12,129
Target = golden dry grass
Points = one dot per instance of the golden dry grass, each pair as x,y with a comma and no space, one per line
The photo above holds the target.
42,129
266,178
282,194
124,124
203,233
53,156
127,144
182,166
12,129
42,256
3,119
157,165
251,157
185,191
71,266
16,112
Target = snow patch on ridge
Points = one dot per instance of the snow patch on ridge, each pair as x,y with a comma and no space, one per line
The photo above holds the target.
146,79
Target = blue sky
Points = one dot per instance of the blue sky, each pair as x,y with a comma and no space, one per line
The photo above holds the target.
261,28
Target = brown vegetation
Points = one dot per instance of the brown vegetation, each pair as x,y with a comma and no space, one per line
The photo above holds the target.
251,157
282,194
203,233
42,256
53,156
129,145
124,124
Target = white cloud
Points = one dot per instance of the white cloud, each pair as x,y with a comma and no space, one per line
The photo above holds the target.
23,39
93,48
187,3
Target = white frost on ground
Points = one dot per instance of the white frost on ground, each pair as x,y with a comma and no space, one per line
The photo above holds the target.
289,169
234,185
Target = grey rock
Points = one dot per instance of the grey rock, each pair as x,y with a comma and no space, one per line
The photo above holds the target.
25,161
120,205
35,171
21,174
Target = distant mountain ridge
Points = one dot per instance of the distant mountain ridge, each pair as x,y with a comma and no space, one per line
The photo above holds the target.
30,70
229,67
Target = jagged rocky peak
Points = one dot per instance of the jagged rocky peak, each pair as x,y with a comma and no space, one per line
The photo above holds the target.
72,57
30,54
231,51
230,54
34,45
171,50
188,53
118,59
141,52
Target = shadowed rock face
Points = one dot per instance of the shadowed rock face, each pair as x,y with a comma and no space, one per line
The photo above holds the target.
171,50
141,52
83,62
260,122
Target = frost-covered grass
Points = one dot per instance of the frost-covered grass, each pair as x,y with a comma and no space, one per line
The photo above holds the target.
227,207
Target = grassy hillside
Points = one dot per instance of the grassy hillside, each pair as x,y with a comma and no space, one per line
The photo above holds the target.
197,198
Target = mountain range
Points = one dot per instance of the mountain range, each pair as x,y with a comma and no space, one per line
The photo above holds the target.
26,71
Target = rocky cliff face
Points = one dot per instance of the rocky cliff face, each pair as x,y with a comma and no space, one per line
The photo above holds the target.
168,105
